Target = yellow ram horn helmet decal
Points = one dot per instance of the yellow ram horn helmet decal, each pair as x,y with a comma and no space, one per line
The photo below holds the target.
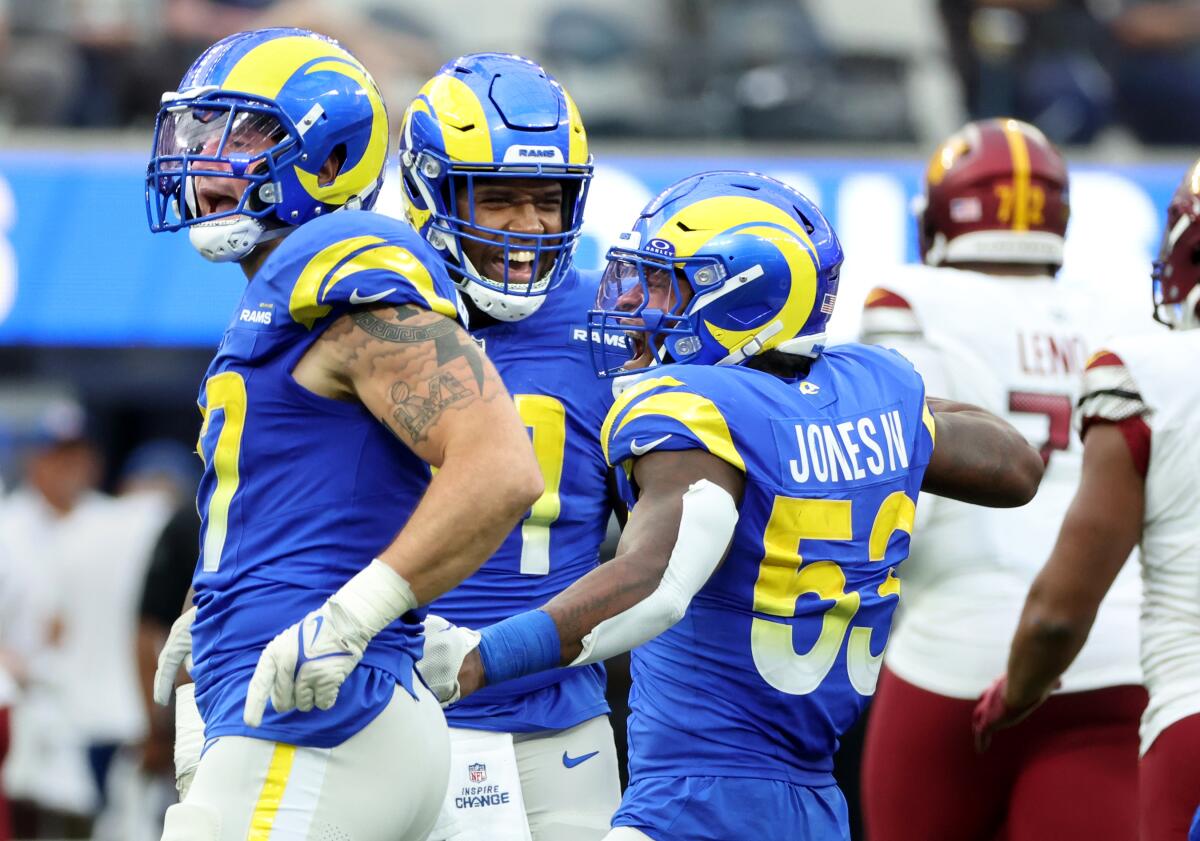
356,179
264,70
802,293
697,224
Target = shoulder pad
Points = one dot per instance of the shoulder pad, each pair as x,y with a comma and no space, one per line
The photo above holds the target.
357,258
661,411
1109,392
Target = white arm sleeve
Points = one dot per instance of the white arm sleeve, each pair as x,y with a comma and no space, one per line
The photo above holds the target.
705,530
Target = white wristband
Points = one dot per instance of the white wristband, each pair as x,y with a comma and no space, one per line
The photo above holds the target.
374,598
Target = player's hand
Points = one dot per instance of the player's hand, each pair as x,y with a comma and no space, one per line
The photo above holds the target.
189,737
306,665
176,652
446,647
993,712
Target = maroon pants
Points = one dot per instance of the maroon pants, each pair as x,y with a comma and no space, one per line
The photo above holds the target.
1170,782
5,830
1069,771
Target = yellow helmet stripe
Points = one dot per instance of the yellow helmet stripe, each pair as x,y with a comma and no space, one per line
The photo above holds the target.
622,403
709,217
699,414
1019,150
577,151
460,114
265,69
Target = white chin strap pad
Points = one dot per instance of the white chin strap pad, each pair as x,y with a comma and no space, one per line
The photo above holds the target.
705,532
226,240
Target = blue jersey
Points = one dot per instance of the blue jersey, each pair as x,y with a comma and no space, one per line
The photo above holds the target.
300,491
778,652
546,364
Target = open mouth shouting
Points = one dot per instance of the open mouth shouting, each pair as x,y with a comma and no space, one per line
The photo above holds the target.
217,195
519,269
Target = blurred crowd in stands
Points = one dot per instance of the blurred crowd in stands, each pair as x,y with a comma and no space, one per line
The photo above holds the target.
89,584
808,70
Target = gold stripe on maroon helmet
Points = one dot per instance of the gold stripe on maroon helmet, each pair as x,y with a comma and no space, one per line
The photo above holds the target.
1019,150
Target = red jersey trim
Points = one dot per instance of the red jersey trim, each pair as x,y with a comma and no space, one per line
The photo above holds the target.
1136,433
879,297
1102,359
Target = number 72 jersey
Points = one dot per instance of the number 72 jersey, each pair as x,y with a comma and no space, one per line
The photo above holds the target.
778,652
1016,346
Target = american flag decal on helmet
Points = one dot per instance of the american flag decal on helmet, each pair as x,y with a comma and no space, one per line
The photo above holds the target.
827,303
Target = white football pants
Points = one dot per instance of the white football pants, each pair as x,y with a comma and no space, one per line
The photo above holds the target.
569,781
387,782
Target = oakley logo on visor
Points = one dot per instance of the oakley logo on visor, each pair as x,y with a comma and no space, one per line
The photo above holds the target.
660,246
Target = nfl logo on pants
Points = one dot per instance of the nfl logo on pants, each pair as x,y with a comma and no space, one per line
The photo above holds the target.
477,771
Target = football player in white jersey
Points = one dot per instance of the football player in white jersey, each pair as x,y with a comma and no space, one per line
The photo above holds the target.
1141,473
985,322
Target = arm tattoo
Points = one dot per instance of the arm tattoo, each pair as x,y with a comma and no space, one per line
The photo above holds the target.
417,400
414,413
452,345
448,342
400,334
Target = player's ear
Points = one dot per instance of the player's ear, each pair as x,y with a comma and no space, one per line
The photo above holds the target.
332,166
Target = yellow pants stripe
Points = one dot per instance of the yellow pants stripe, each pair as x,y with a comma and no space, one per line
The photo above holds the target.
267,807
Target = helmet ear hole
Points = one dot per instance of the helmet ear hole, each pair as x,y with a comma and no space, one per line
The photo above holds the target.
332,166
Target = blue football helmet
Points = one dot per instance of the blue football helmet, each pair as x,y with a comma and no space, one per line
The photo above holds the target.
720,267
492,116
267,108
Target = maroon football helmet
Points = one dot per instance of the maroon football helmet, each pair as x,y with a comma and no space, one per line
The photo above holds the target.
995,192
1177,270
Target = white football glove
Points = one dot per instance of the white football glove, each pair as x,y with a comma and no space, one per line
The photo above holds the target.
446,646
176,652
306,665
189,737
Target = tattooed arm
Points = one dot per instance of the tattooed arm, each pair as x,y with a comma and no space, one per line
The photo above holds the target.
430,384
980,458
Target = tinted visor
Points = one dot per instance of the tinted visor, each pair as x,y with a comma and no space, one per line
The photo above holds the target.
217,133
632,284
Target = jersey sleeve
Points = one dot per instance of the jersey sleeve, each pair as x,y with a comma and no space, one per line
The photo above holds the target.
889,320
888,312
369,259
1110,395
664,413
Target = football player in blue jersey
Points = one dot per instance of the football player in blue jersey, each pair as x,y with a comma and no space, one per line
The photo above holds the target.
495,165
341,379
775,481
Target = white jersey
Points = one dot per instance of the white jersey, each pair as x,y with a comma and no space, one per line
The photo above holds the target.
1155,377
1016,346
